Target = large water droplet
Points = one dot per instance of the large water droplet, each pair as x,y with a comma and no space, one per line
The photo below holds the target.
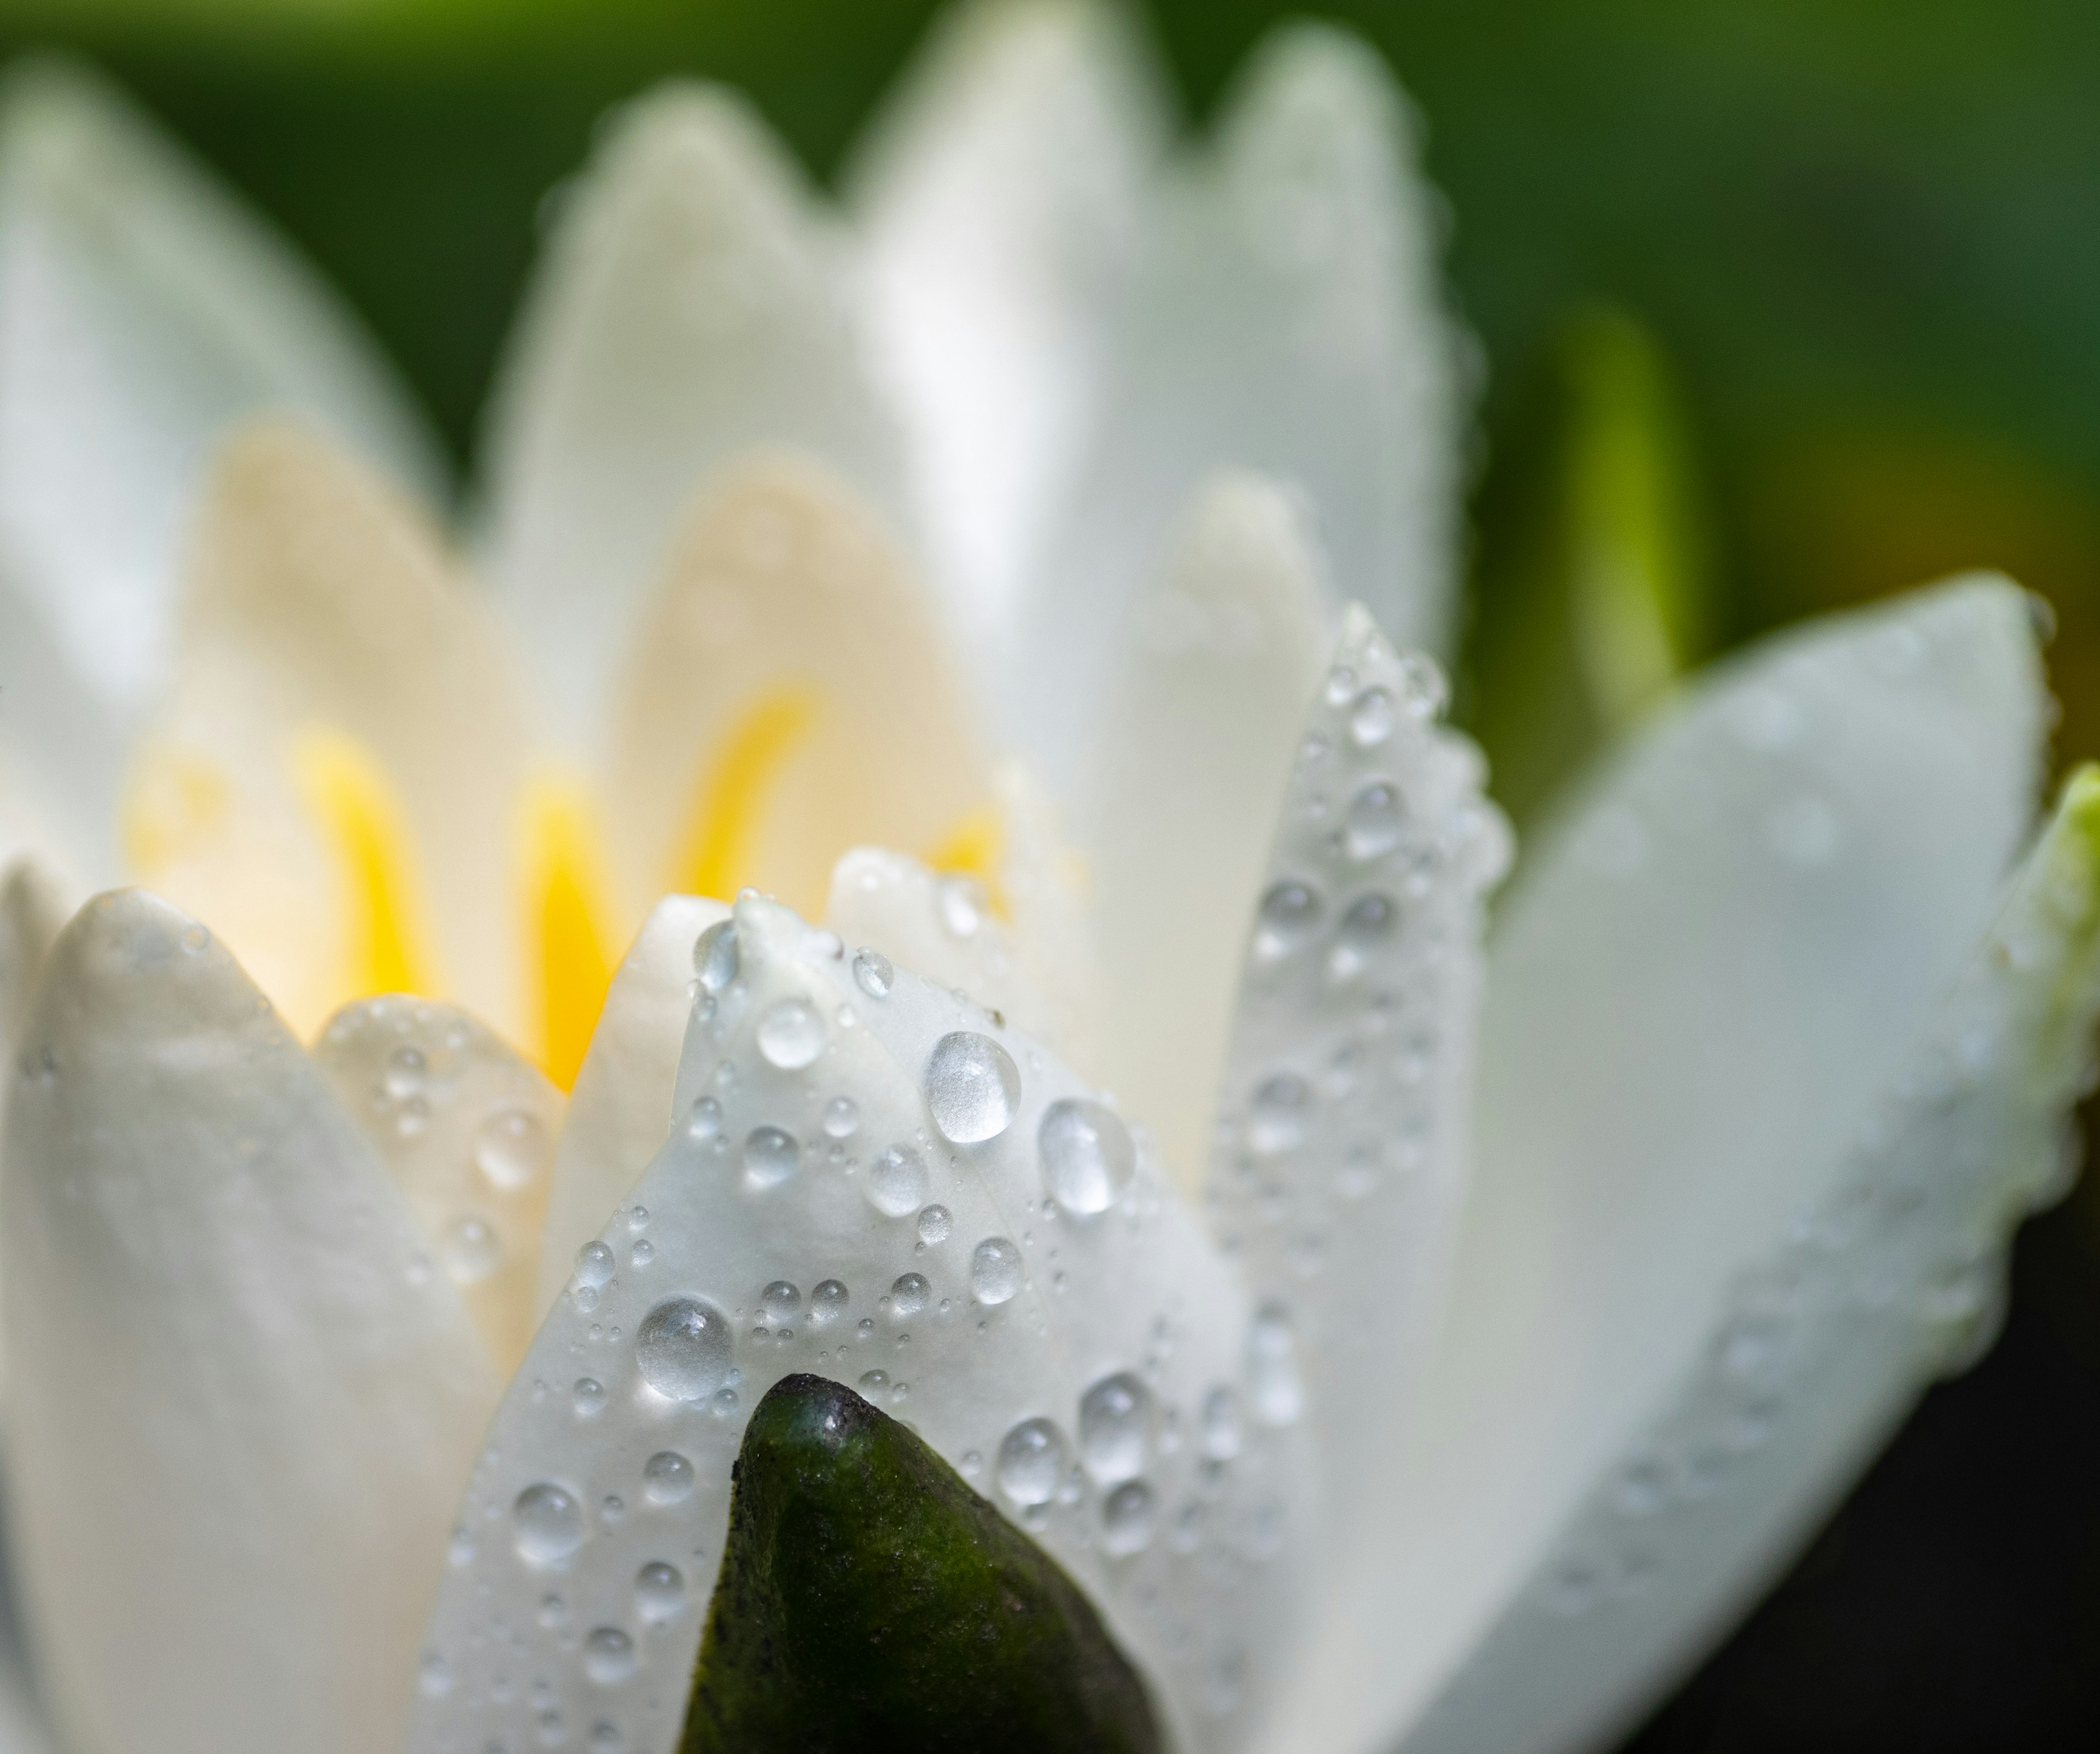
770,1156
667,1478
659,1591
683,1348
995,1270
1116,1427
780,1303
908,1295
547,1523
791,1034
1273,1384
510,1148
828,1303
594,1266
1031,1461
472,1251
1129,1516
935,1222
1087,1156
1374,827
873,973
608,1654
973,1087
896,1182
716,957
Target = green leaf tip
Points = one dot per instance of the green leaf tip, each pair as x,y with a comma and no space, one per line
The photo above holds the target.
868,1601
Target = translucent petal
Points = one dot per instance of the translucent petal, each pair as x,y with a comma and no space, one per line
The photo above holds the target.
788,696
1704,977
1002,200
238,1406
324,616
1338,1164
787,1232
143,312
467,1130
620,1110
1194,750
30,916
690,306
1287,318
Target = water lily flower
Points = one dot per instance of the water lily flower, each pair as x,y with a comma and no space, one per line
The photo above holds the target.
977,648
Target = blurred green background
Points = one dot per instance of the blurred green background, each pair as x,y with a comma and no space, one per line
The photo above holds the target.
1795,302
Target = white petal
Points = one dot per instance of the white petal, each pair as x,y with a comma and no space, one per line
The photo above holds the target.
143,312
1176,821
30,917
22,1730
619,1109
1289,320
62,752
1003,198
767,1185
789,695
1340,1163
689,308
467,1130
1697,992
238,1416
321,605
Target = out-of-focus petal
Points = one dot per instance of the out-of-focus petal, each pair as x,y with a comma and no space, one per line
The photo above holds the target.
620,1110
690,306
1002,199
1289,319
143,312
1175,820
1706,981
788,694
467,1130
347,738
30,917
863,1158
239,1408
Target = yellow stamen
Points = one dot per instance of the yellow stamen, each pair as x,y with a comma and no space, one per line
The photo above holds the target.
716,854
565,921
976,844
347,794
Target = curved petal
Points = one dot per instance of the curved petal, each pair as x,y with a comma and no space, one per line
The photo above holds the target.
1696,992
347,734
775,1233
465,1127
620,1110
1002,199
30,916
690,307
1196,744
788,696
239,1410
141,312
1289,319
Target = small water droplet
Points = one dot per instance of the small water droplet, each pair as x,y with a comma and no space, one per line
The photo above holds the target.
995,1270
682,1348
973,1087
1221,1424
770,1156
434,1676
608,1656
791,1034
873,973
1288,914
642,1253
660,1592
547,1522
1116,1427
1273,1383
1276,1119
1031,1460
667,1478
403,1077
841,1117
961,901
1371,718
510,1148
587,1395
1374,820
873,1383
780,1303
908,1294
896,1182
1088,1156
1129,1516
594,1266
472,1249
717,957
828,1303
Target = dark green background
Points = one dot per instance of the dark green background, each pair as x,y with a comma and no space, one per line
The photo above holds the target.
1866,234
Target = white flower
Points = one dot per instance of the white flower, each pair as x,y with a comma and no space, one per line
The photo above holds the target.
1377,1402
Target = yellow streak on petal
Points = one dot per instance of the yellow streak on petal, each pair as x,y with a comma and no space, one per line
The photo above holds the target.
975,843
716,854
566,921
347,794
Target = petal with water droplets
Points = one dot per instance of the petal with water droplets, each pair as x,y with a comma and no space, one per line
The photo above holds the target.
237,1406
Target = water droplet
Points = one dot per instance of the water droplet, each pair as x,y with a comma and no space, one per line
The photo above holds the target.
594,1266
973,1087
642,1253
1423,692
828,1303
1341,684
1289,912
791,1034
716,957
908,1294
705,1121
1031,1461
770,1156
1273,1383
873,1383
935,1222
1116,1427
1277,1118
1087,1155
1221,1424
873,973
404,1076
682,1348
659,1591
548,1524
472,1250
587,1397
896,1182
1371,718
510,1148
1129,1516
995,1270
434,1676
666,1478
961,901
780,1303
608,1652
841,1117
1373,827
